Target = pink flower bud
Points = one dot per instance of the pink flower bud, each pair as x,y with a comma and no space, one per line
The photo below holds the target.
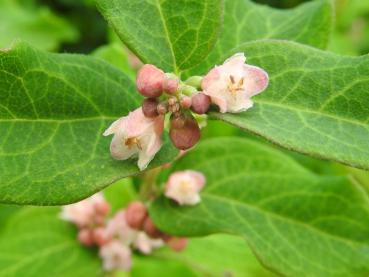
149,107
171,84
186,102
100,236
136,214
162,108
200,103
85,237
150,80
151,230
102,208
177,244
184,131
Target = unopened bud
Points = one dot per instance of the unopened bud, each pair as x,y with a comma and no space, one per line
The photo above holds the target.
135,215
171,84
173,105
184,134
102,208
194,81
150,80
177,244
200,103
149,107
162,108
100,237
186,102
151,230
85,237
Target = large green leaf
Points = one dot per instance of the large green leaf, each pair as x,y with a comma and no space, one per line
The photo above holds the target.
315,103
173,35
245,21
35,242
297,223
53,111
36,25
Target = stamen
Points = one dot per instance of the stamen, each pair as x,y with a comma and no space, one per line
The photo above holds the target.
131,142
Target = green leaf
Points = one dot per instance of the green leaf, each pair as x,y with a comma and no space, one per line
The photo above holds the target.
53,111
245,21
297,223
36,25
173,35
35,242
314,103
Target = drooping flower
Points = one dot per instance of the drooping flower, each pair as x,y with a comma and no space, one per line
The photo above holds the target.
145,244
116,255
232,84
136,134
88,212
184,187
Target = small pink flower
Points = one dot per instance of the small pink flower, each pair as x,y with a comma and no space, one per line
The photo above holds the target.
150,81
115,255
87,212
184,187
136,134
118,228
145,244
232,84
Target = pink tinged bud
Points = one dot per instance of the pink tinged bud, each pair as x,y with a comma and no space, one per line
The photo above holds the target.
171,84
151,230
85,237
186,102
115,256
134,135
102,208
150,80
149,107
177,244
184,187
231,85
200,103
184,131
100,236
136,214
162,108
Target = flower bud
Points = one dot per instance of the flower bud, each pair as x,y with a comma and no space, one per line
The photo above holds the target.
150,80
177,244
171,84
194,81
100,236
85,237
162,108
151,230
149,107
135,215
186,102
102,208
184,132
200,103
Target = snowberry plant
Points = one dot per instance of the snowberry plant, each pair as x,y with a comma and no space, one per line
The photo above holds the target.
73,125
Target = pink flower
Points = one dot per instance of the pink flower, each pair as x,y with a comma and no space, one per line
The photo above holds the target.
145,244
232,84
136,134
115,255
90,211
117,228
184,187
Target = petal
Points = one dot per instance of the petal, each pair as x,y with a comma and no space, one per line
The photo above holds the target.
236,60
119,150
212,76
221,102
256,79
115,126
241,105
199,177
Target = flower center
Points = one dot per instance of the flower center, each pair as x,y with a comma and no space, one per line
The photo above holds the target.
233,86
185,187
132,142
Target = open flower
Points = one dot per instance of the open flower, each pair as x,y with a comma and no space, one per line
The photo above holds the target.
184,187
116,255
134,135
232,84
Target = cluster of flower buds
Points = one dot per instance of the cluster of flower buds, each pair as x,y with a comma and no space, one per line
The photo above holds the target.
116,237
229,86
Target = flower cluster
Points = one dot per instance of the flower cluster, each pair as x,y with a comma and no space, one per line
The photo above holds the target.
116,237
229,86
